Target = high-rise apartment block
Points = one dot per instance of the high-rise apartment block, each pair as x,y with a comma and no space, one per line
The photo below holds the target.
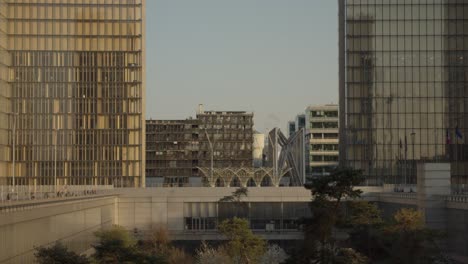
177,149
403,87
231,136
322,138
171,150
72,92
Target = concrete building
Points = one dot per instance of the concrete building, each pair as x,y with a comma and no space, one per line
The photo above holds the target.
403,69
229,134
192,214
257,149
291,128
171,151
300,122
322,138
177,150
72,105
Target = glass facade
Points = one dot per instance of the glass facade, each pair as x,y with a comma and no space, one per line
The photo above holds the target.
76,78
403,86
5,95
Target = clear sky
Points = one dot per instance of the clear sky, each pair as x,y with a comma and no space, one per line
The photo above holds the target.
270,57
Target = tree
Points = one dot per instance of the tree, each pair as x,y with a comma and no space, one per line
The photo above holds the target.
328,192
236,196
236,199
58,254
407,240
242,245
350,256
274,255
159,244
116,245
363,214
208,255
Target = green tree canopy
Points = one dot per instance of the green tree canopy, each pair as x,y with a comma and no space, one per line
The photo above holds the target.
242,245
58,254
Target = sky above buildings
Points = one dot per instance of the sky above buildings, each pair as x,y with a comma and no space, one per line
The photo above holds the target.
270,57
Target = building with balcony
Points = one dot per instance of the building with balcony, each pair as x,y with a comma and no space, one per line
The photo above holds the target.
171,152
322,138
180,152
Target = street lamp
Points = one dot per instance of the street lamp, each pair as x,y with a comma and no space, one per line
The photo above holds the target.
413,135
14,149
55,160
211,150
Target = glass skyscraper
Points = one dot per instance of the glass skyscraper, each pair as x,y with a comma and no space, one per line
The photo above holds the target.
74,91
403,87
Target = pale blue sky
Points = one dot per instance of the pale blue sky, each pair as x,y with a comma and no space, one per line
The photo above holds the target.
272,57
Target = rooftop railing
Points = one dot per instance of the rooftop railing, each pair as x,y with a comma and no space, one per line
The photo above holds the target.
19,193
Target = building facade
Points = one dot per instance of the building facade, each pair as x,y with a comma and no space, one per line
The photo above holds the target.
229,135
403,87
291,128
322,137
171,151
76,92
176,150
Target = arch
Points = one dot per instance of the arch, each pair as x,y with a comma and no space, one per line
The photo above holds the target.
205,181
235,182
285,181
219,182
251,183
266,181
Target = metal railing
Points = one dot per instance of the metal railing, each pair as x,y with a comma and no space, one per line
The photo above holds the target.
457,198
404,195
41,192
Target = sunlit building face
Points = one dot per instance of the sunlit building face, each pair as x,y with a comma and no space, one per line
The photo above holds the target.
403,87
76,91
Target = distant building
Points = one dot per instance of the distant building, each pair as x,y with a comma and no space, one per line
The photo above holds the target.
231,136
257,149
291,128
171,151
177,149
300,122
322,135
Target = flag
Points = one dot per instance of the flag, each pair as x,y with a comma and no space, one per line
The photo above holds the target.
447,137
458,133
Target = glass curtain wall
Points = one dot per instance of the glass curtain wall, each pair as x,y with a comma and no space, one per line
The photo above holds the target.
6,117
405,86
77,82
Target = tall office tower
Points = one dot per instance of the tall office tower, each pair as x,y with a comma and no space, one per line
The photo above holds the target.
403,87
5,95
77,81
322,139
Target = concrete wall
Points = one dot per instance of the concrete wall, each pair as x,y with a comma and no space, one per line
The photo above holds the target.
72,222
165,206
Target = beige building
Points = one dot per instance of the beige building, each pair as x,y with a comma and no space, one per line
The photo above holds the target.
322,135
72,84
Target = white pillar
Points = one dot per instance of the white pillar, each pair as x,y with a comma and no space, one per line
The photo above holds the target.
433,186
